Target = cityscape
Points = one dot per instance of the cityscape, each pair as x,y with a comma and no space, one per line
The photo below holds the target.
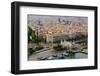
53,37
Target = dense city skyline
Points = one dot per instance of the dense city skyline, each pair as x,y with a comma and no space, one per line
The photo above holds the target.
58,25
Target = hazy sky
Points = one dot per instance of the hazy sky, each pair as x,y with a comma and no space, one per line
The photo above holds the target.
50,18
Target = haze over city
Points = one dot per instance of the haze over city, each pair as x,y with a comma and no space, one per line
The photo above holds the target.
54,19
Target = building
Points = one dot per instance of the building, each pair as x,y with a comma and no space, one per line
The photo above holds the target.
49,37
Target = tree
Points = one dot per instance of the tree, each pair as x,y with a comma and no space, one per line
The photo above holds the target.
32,37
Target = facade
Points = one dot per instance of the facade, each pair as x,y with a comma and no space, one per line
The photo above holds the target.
49,37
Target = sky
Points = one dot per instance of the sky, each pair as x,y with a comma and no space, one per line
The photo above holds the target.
44,19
